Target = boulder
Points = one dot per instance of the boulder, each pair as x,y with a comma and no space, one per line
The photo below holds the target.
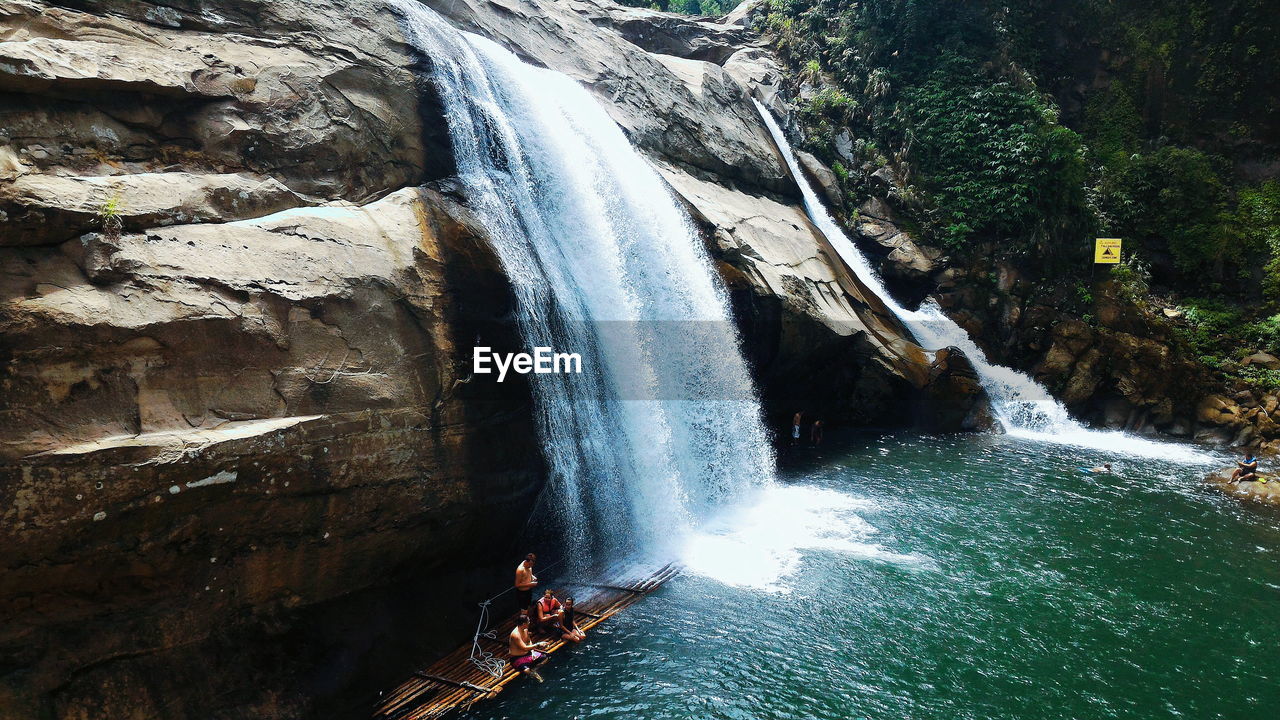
821,178
817,338
667,34
761,73
909,269
1218,410
955,400
1253,491
744,13
1264,360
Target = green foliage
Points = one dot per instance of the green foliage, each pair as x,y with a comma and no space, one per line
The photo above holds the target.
1219,335
1172,198
1257,221
1084,296
1190,70
916,82
1132,280
1263,334
687,7
1112,124
1259,377
993,160
1211,315
109,215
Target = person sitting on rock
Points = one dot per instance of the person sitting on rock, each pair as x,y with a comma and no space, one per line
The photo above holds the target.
1247,470
550,612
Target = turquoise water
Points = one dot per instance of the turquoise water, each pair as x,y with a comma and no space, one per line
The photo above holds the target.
963,577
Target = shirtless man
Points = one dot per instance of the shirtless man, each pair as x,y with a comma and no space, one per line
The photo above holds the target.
525,654
526,581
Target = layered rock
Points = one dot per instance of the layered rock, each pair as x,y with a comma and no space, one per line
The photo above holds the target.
246,419
235,343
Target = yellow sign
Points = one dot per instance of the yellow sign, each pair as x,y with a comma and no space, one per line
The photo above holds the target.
1106,251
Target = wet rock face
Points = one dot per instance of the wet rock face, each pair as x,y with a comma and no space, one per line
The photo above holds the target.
224,445
682,91
955,400
316,97
234,413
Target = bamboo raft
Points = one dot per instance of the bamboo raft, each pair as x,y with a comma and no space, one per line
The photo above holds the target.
455,683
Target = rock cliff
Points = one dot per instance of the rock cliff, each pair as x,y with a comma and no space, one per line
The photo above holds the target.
237,301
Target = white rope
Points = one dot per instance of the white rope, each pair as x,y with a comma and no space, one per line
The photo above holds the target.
480,657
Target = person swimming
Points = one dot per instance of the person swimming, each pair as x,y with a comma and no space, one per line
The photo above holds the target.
526,655
1106,468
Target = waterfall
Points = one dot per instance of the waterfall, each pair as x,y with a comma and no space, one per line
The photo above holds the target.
663,425
1022,406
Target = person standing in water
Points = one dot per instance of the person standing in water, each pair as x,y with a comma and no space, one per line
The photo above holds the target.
526,581
795,428
815,433
1247,470
525,654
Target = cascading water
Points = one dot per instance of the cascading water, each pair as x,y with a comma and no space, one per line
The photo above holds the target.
1023,407
663,424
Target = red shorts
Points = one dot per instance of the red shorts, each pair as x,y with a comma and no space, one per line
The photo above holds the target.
529,659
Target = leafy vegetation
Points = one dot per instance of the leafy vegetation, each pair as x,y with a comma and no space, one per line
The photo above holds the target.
1028,127
109,216
687,7
976,141
1221,335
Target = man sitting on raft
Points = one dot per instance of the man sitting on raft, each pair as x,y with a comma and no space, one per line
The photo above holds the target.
1247,470
525,654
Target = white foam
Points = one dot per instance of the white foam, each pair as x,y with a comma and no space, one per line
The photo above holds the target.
762,543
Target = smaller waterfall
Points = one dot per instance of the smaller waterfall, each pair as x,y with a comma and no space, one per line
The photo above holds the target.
1023,407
